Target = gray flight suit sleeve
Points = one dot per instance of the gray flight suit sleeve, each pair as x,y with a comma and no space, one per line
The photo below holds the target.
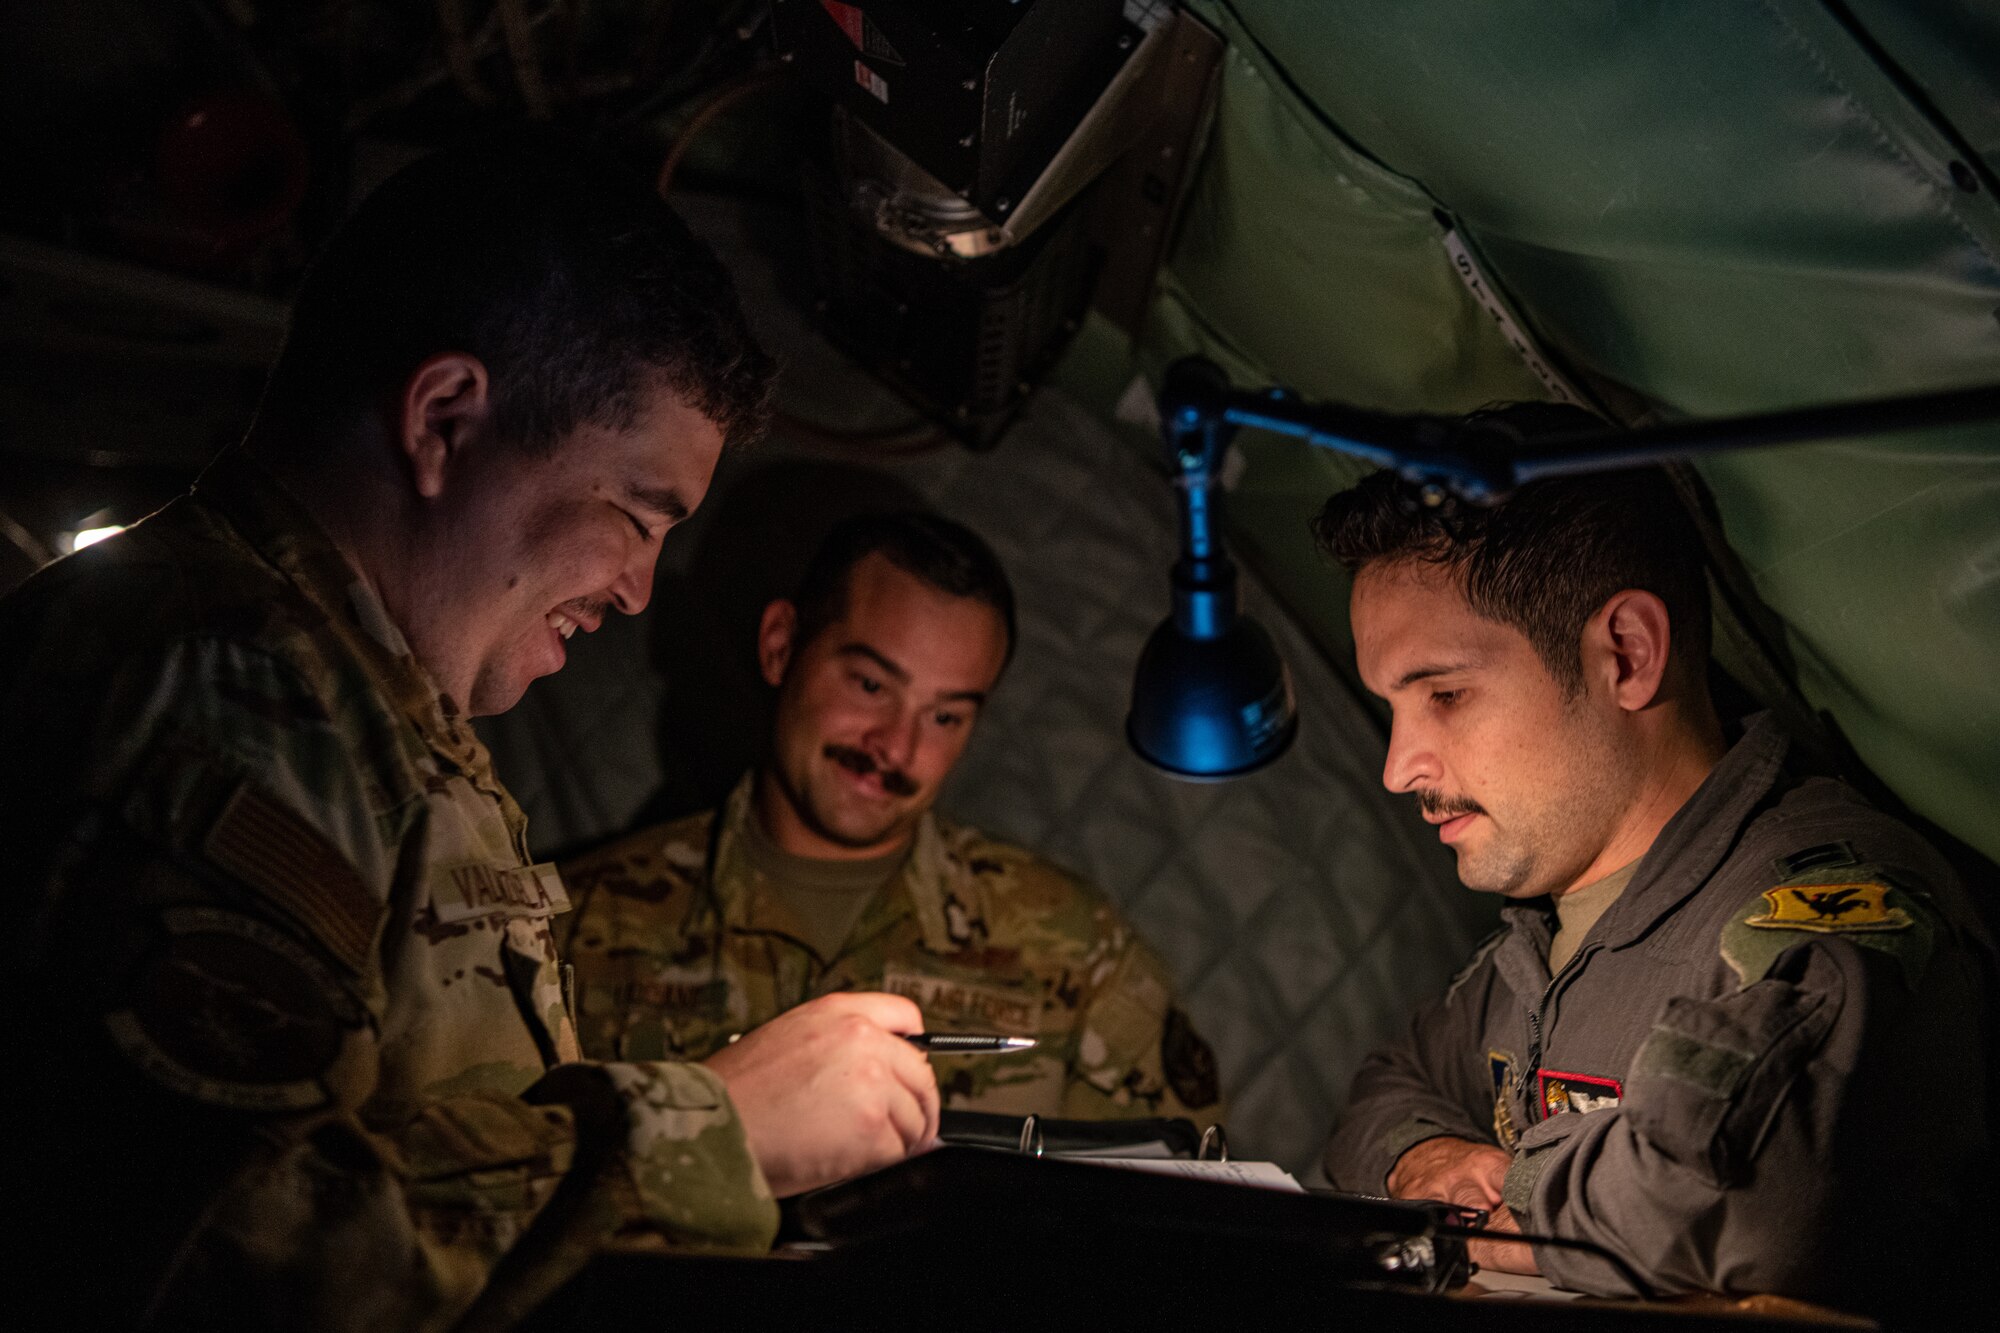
1798,1136
1435,1081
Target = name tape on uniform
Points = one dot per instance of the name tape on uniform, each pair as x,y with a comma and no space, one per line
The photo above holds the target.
473,889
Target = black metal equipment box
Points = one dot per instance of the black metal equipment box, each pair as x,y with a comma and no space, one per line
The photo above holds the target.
980,93
963,339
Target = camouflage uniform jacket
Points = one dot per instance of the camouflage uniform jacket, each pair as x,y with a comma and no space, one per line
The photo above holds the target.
295,990
1763,1071
677,950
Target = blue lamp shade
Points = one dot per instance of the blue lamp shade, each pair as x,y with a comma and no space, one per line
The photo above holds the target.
1211,706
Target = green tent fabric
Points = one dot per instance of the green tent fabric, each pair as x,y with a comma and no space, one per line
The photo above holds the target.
1691,210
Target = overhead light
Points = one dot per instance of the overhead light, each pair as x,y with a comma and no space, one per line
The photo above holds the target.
83,537
1211,698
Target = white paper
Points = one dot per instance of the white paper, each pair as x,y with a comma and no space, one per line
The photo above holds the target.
1494,1285
1261,1175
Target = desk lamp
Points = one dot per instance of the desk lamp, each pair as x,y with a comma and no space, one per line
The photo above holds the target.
1212,699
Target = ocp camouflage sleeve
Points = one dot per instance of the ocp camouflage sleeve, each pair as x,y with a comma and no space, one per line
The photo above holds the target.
1137,1052
294,985
680,942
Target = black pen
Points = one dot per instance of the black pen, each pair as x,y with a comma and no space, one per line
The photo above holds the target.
967,1043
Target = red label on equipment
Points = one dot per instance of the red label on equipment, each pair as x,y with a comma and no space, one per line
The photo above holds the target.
872,81
861,30
849,18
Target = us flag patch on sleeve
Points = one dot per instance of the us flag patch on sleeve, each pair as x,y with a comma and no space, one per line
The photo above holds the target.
265,846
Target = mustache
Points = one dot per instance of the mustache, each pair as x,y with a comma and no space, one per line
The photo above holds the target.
858,762
1436,804
585,608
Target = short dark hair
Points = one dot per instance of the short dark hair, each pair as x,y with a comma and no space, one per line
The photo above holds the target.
946,555
1546,558
571,280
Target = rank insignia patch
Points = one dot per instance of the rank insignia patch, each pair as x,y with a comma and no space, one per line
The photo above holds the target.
1832,908
1580,1093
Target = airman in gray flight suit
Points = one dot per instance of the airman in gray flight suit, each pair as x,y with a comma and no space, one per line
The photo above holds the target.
1694,1040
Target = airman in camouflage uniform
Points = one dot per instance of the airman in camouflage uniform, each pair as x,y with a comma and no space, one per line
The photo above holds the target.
300,1054
679,945
284,917
828,870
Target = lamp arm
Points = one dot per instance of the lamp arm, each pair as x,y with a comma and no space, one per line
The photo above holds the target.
1429,451
1595,451
1482,464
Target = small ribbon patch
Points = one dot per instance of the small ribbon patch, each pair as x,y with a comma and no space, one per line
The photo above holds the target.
1579,1093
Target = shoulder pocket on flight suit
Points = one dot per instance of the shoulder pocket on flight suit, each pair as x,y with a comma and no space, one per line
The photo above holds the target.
1711,1077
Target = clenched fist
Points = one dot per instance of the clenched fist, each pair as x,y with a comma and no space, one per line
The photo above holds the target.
1468,1174
830,1089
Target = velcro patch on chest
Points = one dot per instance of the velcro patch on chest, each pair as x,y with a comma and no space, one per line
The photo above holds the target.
1004,1009
475,889
1561,1093
672,997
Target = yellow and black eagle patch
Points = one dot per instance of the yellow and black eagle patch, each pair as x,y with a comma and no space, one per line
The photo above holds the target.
1833,908
1828,891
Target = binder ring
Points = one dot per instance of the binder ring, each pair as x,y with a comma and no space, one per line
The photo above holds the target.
1031,1134
1214,1139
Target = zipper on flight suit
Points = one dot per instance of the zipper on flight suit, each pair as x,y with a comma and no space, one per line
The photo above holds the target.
1532,1079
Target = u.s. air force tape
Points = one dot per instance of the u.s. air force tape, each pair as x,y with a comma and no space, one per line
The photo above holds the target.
232,1011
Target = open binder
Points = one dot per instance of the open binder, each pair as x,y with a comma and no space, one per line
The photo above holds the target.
1161,1146
1042,1135
1015,1209
992,1237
